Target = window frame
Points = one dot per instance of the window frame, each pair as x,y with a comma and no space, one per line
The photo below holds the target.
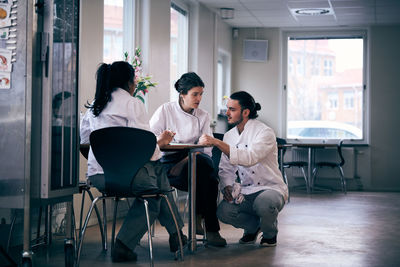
128,30
285,35
183,8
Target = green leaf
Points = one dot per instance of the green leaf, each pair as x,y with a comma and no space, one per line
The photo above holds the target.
140,98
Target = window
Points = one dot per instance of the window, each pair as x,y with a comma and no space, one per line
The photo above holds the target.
290,65
315,66
223,80
328,67
325,102
300,66
348,99
179,45
333,100
118,29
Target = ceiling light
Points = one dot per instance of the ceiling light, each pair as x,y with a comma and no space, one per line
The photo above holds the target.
312,11
226,13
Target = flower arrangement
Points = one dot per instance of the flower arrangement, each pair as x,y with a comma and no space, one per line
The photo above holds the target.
143,82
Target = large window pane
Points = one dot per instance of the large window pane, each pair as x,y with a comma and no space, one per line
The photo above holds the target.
179,46
325,88
118,29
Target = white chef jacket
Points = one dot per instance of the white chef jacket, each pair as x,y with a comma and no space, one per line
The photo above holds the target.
254,155
122,110
188,127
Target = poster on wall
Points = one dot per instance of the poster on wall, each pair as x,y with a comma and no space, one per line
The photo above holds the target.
5,60
5,20
5,80
4,33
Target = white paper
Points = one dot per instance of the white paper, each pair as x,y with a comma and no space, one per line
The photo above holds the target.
5,60
5,80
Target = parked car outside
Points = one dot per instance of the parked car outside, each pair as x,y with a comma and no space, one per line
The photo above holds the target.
322,130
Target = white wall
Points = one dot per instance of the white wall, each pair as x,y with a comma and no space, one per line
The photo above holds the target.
385,108
260,79
155,43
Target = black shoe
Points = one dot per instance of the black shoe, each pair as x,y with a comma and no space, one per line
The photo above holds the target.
215,239
268,242
174,241
249,238
122,253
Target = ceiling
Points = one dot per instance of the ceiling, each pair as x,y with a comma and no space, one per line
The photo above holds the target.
277,13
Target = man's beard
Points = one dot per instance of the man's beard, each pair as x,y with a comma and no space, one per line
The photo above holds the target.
236,122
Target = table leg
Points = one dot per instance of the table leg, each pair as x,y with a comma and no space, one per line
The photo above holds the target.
192,201
281,159
309,169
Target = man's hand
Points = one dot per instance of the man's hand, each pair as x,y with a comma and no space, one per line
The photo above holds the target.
165,138
227,191
206,140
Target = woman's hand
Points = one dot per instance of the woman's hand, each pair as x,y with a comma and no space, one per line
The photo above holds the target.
165,138
206,140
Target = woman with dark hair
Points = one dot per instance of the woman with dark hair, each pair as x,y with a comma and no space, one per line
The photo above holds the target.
250,156
189,122
114,105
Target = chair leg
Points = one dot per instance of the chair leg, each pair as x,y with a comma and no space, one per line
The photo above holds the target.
81,213
146,207
185,208
314,175
114,223
96,209
79,249
176,225
306,180
13,220
105,224
343,180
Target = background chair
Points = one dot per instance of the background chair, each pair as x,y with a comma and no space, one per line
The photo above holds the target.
121,152
333,165
290,164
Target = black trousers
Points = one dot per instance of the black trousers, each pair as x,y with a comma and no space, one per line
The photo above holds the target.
207,187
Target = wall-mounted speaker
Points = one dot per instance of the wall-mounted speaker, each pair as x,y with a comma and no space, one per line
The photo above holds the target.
255,50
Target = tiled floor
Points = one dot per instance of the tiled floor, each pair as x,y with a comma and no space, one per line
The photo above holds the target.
357,229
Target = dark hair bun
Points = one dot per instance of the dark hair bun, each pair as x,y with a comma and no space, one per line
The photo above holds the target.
177,86
258,106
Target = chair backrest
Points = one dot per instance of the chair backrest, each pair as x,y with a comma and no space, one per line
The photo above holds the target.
339,148
281,141
216,152
121,152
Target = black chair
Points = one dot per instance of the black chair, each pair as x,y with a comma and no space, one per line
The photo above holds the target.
216,152
333,165
290,164
121,152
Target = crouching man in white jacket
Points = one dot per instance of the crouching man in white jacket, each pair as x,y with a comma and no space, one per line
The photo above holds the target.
250,159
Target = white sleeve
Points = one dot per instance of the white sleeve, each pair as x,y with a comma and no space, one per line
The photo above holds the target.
227,172
261,146
85,128
207,130
158,121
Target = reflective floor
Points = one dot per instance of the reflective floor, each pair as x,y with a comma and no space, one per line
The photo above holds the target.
357,229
